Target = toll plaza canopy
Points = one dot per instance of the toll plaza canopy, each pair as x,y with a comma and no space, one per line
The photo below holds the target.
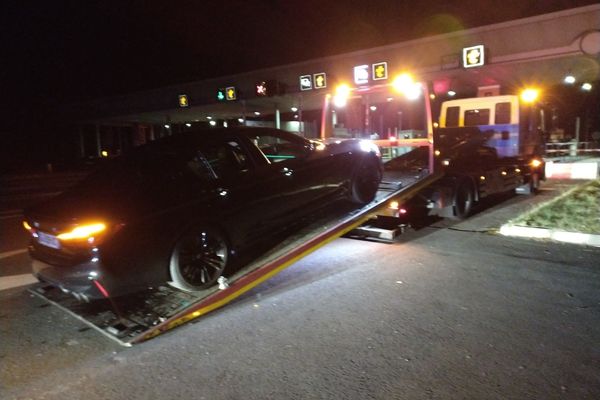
540,50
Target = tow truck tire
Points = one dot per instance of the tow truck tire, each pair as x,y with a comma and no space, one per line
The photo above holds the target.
198,258
534,184
365,181
464,197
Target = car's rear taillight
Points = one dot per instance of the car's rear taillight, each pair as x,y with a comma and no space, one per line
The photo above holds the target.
83,232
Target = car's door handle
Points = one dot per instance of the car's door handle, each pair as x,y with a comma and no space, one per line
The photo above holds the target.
287,172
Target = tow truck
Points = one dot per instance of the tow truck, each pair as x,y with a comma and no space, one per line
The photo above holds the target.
482,146
420,167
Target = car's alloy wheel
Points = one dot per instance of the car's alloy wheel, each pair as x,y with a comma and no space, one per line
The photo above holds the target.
198,259
365,182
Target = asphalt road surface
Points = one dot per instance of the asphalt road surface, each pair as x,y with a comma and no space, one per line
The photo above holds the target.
450,311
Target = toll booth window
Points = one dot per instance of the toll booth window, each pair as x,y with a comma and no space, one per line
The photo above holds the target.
452,114
476,117
502,113
218,160
277,149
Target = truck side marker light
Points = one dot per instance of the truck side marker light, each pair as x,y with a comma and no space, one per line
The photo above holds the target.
402,211
503,173
517,170
482,178
101,289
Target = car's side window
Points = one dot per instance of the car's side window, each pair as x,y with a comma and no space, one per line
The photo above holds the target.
277,149
219,160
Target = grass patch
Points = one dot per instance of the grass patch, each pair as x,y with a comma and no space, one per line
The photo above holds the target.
577,210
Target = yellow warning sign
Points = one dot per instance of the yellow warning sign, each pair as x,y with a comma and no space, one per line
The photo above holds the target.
230,93
320,80
380,71
473,56
183,100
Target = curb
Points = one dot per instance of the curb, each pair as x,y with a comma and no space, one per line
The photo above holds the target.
551,234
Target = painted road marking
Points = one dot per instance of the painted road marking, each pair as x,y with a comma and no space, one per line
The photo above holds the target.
11,253
13,281
12,214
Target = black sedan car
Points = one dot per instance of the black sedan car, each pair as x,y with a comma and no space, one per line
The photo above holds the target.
180,209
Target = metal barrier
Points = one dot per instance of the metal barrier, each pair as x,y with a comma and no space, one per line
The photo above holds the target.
572,149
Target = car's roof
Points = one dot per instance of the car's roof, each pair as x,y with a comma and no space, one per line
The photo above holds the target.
219,133
205,135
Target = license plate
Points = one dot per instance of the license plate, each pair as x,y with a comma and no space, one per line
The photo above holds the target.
48,240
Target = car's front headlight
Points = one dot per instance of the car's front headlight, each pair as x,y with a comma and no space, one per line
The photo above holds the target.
369,147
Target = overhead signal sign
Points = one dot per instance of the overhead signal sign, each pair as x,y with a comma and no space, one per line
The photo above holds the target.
473,56
269,88
230,93
221,94
262,89
320,80
183,100
380,71
306,82
361,74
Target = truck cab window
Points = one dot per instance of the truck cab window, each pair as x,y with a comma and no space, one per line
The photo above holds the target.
502,115
452,114
476,117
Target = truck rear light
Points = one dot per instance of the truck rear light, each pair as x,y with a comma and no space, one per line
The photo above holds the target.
101,288
535,163
394,205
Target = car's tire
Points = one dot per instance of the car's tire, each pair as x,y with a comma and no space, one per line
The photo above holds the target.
464,197
198,259
365,181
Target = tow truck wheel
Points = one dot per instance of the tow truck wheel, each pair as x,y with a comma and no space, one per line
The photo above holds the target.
198,259
365,182
463,199
534,184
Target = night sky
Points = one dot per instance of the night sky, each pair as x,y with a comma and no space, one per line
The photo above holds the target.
57,51
65,50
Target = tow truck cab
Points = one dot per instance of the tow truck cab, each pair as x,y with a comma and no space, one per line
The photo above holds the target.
514,128
485,145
